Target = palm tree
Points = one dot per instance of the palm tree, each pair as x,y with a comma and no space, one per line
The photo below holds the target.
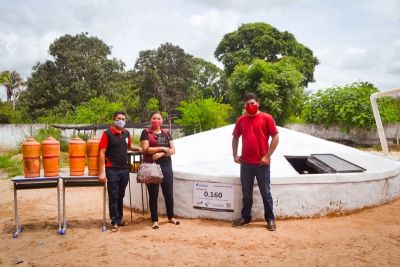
14,85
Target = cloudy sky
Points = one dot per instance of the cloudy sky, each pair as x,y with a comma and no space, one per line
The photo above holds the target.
354,40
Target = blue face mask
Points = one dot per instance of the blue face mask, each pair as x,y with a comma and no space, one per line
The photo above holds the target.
119,123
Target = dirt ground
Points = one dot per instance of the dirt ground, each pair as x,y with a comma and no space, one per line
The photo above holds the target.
367,238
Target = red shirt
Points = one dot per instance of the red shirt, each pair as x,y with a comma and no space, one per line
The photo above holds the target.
255,132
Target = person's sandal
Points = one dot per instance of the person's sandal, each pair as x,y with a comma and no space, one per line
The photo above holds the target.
155,225
114,228
173,221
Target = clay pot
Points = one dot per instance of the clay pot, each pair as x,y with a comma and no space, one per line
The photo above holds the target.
135,167
51,156
77,153
93,155
31,157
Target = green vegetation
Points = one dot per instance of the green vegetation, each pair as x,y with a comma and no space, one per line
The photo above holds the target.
277,85
262,41
11,164
169,75
80,70
349,106
202,114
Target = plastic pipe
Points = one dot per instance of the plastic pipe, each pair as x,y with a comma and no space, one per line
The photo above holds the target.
378,119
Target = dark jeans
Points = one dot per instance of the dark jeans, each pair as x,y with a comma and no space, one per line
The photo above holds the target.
167,187
117,181
262,173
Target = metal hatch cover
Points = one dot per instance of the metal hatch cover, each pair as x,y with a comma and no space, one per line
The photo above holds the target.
334,164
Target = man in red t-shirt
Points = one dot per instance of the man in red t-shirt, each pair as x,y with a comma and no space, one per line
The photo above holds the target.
114,167
255,128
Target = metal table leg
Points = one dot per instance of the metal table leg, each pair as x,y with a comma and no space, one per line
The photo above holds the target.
104,228
64,227
18,228
130,197
58,207
141,185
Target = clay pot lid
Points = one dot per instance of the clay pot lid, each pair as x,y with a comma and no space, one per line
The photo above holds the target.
30,141
50,141
76,140
94,139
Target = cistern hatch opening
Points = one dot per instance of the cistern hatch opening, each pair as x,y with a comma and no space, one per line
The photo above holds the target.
322,163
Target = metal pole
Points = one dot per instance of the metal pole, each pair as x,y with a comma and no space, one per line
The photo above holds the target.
64,213
17,229
130,197
141,185
104,206
58,204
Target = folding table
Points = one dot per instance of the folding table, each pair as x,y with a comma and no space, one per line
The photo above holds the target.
22,183
82,181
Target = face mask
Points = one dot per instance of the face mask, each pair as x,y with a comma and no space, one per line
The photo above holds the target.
119,123
251,109
156,124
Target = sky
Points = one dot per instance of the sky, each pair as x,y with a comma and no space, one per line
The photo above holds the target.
354,40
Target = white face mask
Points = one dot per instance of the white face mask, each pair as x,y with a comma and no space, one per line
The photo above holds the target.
119,123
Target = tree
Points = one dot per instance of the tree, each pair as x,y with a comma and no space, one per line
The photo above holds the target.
96,110
165,74
170,75
14,85
10,115
210,80
202,115
277,85
262,41
79,71
349,106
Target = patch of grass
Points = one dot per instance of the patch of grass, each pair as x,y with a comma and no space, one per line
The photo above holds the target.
11,164
64,160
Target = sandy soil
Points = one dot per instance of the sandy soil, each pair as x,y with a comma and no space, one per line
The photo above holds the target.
367,238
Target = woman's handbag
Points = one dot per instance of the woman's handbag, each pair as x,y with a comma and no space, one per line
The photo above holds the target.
149,173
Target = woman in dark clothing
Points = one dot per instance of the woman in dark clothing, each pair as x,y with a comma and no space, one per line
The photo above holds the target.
157,146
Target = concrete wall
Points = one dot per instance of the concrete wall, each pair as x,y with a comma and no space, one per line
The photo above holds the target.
12,135
356,136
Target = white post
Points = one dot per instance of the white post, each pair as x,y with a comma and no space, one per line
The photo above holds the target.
377,116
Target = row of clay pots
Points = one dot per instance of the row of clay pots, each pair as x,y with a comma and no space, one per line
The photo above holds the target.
51,155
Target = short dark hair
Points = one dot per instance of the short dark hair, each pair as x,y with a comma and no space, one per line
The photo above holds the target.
155,112
116,113
248,96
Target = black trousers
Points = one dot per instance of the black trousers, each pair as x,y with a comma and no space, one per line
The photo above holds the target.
167,187
117,180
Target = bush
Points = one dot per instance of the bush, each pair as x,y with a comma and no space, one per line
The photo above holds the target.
11,164
349,106
202,115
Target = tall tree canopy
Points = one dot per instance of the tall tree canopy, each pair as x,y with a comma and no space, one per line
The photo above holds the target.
170,75
79,71
277,85
262,41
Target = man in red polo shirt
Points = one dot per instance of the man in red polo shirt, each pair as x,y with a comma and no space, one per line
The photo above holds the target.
114,166
255,128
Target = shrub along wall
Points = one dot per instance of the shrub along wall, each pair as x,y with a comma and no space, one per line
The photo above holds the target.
356,136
